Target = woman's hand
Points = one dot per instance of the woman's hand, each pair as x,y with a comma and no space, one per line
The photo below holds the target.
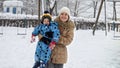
52,45
39,37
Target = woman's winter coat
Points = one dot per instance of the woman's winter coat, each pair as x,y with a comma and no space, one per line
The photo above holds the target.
43,51
59,53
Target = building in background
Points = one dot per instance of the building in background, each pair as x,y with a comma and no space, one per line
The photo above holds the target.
14,7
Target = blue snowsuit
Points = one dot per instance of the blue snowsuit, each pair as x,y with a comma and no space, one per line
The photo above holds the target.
43,51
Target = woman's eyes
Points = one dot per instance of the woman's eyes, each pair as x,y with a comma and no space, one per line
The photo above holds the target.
64,14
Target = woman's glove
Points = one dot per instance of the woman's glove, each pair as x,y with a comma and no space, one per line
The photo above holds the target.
52,45
45,40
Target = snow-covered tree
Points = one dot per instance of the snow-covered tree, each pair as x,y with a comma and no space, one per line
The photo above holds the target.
30,6
82,8
95,8
1,5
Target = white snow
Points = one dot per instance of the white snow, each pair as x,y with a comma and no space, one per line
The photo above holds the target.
13,3
86,50
23,16
17,16
114,0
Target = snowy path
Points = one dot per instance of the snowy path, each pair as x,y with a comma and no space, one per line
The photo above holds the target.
86,51
97,51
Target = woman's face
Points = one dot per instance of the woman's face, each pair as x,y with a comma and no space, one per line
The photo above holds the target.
64,17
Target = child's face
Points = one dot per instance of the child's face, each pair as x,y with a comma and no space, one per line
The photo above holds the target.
46,21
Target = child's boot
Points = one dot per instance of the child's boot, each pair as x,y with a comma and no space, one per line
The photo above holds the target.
36,65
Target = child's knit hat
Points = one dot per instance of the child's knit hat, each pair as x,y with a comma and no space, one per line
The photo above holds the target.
46,15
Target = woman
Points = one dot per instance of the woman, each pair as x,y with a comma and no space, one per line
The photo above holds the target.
66,27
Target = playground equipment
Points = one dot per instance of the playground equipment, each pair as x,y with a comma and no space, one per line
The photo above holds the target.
22,27
99,12
116,31
1,28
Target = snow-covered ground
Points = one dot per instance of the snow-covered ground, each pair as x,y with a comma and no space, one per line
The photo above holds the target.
86,50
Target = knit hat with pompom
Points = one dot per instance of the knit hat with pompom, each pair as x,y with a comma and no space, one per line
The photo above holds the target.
46,15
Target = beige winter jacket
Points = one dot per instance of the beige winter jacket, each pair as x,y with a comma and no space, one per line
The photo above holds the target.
59,53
